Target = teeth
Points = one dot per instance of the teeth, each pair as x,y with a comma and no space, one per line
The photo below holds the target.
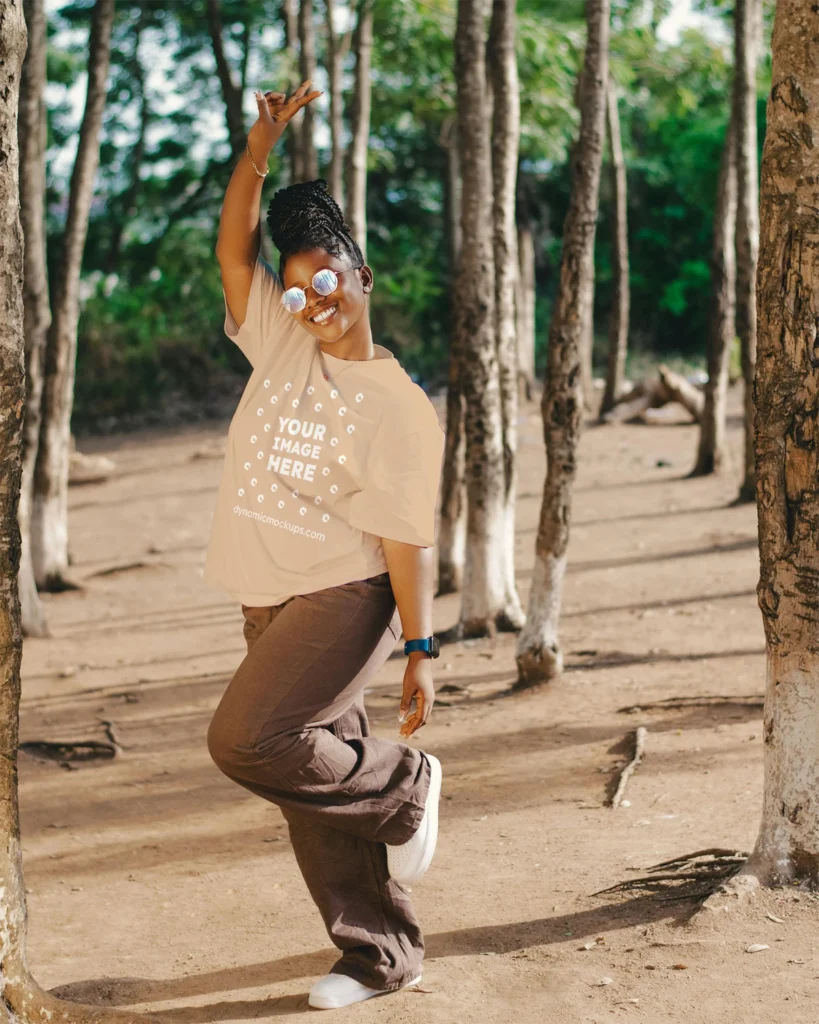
324,315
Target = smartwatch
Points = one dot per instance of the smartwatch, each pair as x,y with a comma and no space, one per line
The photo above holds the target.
430,644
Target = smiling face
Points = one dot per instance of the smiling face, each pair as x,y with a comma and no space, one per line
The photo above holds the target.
345,305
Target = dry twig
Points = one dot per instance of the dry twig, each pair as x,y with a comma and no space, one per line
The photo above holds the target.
639,747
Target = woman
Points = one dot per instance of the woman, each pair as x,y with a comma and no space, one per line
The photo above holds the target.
324,531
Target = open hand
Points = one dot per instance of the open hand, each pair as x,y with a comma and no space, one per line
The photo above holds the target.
276,109
418,684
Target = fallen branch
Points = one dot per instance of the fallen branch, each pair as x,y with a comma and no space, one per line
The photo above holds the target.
690,397
668,386
631,406
66,753
639,747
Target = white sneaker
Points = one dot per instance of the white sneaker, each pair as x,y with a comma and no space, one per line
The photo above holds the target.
409,861
336,990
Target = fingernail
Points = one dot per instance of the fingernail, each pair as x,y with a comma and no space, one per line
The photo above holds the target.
401,716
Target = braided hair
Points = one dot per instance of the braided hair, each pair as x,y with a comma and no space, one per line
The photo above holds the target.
305,216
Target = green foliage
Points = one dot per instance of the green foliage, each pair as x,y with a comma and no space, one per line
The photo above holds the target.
151,324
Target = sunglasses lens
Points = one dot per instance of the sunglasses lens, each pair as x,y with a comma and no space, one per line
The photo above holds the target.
325,282
293,300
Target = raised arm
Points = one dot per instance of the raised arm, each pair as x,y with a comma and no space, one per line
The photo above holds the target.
237,245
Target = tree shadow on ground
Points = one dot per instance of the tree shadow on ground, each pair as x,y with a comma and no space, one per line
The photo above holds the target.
490,938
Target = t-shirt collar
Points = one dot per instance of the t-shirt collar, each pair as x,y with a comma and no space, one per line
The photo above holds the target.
380,354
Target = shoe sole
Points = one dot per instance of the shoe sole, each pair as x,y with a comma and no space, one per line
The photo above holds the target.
336,1006
433,799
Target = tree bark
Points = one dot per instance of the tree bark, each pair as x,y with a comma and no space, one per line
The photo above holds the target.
355,207
336,50
292,137
712,453
231,92
503,75
21,999
483,605
307,66
525,291
31,134
539,657
452,519
621,300
744,113
787,451
49,524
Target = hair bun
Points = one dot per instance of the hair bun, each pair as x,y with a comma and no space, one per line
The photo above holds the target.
305,216
298,210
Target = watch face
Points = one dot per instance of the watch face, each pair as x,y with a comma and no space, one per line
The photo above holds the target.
436,647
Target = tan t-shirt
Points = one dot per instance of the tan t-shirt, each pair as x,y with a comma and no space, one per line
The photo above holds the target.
317,471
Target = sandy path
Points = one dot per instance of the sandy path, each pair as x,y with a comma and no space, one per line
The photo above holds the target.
154,882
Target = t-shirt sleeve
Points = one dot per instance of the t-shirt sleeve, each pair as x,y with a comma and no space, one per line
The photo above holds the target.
402,477
265,313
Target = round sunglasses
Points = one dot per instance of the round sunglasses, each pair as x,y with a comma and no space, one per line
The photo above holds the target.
325,282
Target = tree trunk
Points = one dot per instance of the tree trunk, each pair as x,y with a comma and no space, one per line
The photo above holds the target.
124,206
31,134
484,590
452,519
618,324
539,657
49,524
525,291
355,207
787,450
336,50
503,74
744,113
712,453
21,999
231,92
292,137
307,66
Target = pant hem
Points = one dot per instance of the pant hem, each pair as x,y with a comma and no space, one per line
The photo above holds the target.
370,982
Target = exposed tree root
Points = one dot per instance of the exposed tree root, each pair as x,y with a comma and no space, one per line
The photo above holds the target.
675,877
27,1003
639,748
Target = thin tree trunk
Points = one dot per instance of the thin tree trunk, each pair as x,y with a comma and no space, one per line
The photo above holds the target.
124,204
712,453
744,111
787,450
231,92
49,524
307,65
292,137
452,524
484,590
503,74
539,656
619,322
355,206
452,520
525,291
335,174
21,1000
31,133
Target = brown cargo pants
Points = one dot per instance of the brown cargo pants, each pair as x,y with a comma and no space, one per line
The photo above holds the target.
291,727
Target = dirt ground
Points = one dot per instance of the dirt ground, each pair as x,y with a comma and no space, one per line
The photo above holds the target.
155,883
